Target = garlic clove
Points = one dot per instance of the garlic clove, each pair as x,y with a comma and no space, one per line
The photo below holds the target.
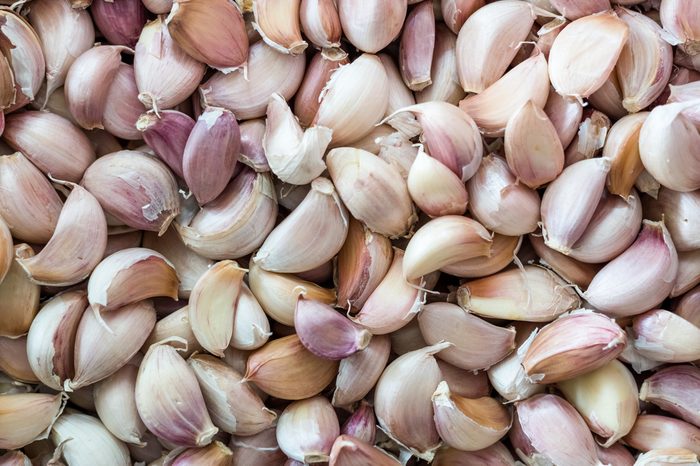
688,272
622,148
674,389
257,450
679,213
456,12
279,25
571,270
608,98
119,22
615,454
416,46
8,91
373,25
25,55
565,115
434,188
573,10
361,424
18,294
652,432
469,384
321,25
122,106
176,324
407,338
445,85
14,361
400,96
663,336
82,440
306,430
396,150
167,133
115,403
252,152
667,456
15,458
251,328
349,450
590,138
318,72
680,20
214,454
7,251
495,455
359,372
686,306
27,417
503,249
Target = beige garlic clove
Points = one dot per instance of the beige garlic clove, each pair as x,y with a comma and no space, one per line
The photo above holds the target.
680,19
19,296
469,384
570,269
434,188
663,336
565,115
359,372
169,400
373,25
397,150
278,24
608,98
306,430
400,96
503,249
233,405
416,46
122,107
495,455
318,72
214,454
445,85
674,389
115,403
14,361
257,450
667,457
688,272
27,417
686,306
25,56
287,249
176,324
349,450
654,257
295,156
622,148
532,294
167,135
679,213
251,327
285,369
652,432
83,440
321,25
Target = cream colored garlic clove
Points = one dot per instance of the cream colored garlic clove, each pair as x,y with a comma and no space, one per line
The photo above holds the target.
25,56
663,336
27,417
495,455
167,133
674,389
622,148
680,19
349,450
318,72
679,213
373,25
14,361
83,440
19,296
257,450
416,46
122,107
115,403
503,249
306,430
278,24
359,372
400,96
565,115
251,328
445,85
571,270
652,432
434,188
321,25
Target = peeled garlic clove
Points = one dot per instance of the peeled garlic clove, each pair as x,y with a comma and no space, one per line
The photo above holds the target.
294,155
212,305
680,19
318,72
167,133
445,85
675,390
321,25
573,9
306,430
83,440
371,26
663,336
27,417
56,146
129,276
169,400
679,213
278,24
495,105
257,450
652,432
532,294
25,55
591,42
416,46
115,403
667,456
251,328
565,115
434,188
495,455
119,22
503,249
285,369
18,294
622,148
654,257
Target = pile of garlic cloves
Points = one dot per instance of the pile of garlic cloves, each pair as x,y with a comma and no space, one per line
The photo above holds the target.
354,233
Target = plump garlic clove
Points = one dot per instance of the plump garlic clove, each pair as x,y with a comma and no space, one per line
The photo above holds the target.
129,276
674,389
416,46
400,96
122,106
615,454
373,25
622,148
251,328
503,249
7,251
680,19
167,133
663,336
679,213
306,430
318,72
571,270
654,257
83,440
349,450
565,115
27,417
285,369
214,454
119,22
434,188
115,403
445,85
321,25
652,432
15,458
495,455
24,53
359,372
688,272
14,361
19,295
252,152
257,450
279,25
176,324
666,457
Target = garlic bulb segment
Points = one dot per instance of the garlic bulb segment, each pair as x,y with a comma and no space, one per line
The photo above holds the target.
456,12
268,72
83,440
404,411
565,115
306,430
416,46
688,272
500,202
318,72
24,53
14,361
8,91
361,424
652,432
686,306
77,245
122,106
593,42
321,25
15,458
27,417
434,188
65,34
494,106
287,249
495,455
252,152
349,107
655,259
622,148
210,155
233,405
251,327
573,345
503,249
257,450
327,333
476,344
663,336
371,26
285,369
615,454
408,338
159,7
570,201
675,390
384,204
590,138
119,22
115,403
212,305
396,150
349,450
682,21
56,146
169,400
608,98
469,384
214,454
570,269
445,85
167,133
165,75
489,40
19,295
129,276
684,93
176,324
532,294
679,213
295,156
359,372
400,96
279,25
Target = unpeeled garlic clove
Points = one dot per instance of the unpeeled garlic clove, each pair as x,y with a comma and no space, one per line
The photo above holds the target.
469,384
27,417
321,25
681,21
434,188
679,213
652,432
687,308
25,56
7,251
674,389
400,96
251,328
495,455
18,294
82,440
416,46
373,25
129,276
667,457
278,24
115,403
590,138
565,115
122,107
348,450
359,372
318,72
252,152
503,249
654,257
396,150
14,361
571,270
8,92
573,10
456,12
167,133
306,430
663,336
608,98
688,272
257,450
615,454
361,424
622,148
119,22
445,85
501,296
214,454
176,324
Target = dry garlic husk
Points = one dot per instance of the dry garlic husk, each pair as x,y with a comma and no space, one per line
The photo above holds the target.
257,450
19,296
675,390
51,338
500,202
548,430
237,222
607,399
565,115
112,178
571,270
688,272
570,201
212,305
372,25
667,457
14,361
456,12
494,106
359,372
176,324
653,257
682,21
395,149
400,96
416,46
318,72
210,31
27,417
349,107
321,25
123,108
295,156
361,424
663,336
282,367
169,400
404,410
679,213
306,430
251,328
533,294
279,25
65,34
214,454
489,40
593,42
129,276
167,133
622,148
115,403
77,245
476,344
495,455
590,138
652,432
573,345
434,188
575,9
286,249
268,72
83,440
23,52
119,22
445,85
349,450
252,152
503,249
233,405
54,144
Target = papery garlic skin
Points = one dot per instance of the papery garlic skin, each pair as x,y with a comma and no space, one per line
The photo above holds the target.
445,85
678,211
372,26
85,440
25,55
306,430
434,188
667,456
7,251
27,417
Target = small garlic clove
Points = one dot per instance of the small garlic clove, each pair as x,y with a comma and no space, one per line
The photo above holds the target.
469,384
25,56
663,336
503,249
214,454
306,430
349,450
688,272
122,107
571,270
361,424
279,25
115,403
456,12
681,21
252,152
495,455
129,276
251,328
18,294
667,457
359,372
532,294
257,450
176,324
652,432
83,440
407,338
416,46
674,389
654,257
119,22
400,96
321,25
679,213
445,85
285,369
371,26
14,360
575,9
434,188
615,454
318,72
565,115
167,133
622,148
27,417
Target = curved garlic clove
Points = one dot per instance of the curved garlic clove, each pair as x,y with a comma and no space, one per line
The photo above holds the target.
572,9
652,432
615,454
373,25
174,327
359,372
434,188
251,328
456,12
252,152
8,91
268,72
321,25
18,294
15,458
257,450
83,440
571,270
416,46
680,19
679,211
675,390
115,403
119,22
469,384
279,25
495,455
608,98
318,73
129,276
667,457
295,156
687,308
361,424
167,133
27,417
565,115
407,338
396,150
400,96
501,296
590,138
214,454
622,148
503,249
122,107
25,56
306,430
349,450
445,85
14,361
663,336
688,272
